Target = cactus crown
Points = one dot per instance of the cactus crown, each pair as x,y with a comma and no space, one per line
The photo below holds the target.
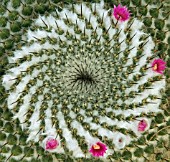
83,80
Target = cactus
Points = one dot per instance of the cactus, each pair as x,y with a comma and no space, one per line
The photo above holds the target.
84,81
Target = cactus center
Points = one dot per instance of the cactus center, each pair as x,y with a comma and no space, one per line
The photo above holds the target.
85,77
82,76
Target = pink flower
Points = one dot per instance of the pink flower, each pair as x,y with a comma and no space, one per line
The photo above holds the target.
142,125
121,13
51,144
98,149
158,65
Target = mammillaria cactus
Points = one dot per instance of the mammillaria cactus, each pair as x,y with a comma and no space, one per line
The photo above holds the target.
84,81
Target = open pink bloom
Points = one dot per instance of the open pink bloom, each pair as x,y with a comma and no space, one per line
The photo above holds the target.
121,13
142,125
158,65
98,149
51,144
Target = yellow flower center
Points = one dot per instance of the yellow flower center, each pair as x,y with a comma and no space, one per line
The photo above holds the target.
155,67
96,147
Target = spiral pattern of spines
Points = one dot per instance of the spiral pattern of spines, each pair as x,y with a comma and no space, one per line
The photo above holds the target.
122,87
50,34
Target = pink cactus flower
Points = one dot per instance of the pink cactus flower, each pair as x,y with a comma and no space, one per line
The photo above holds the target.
98,149
121,13
51,144
142,125
158,65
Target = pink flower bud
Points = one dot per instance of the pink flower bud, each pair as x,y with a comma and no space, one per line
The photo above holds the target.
121,13
51,144
142,125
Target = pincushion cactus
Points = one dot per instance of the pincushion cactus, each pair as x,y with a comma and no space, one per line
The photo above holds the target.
84,81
